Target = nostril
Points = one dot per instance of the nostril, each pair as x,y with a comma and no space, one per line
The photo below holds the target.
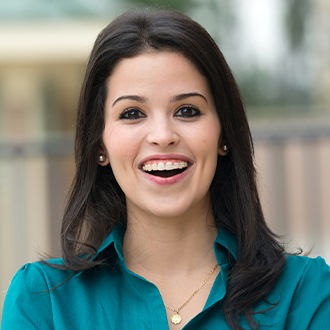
162,136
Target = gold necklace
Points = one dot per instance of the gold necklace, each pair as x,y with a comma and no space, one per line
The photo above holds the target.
176,318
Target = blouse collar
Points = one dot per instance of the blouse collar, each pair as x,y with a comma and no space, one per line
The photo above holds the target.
224,241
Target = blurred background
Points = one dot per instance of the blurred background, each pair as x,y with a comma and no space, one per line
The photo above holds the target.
279,51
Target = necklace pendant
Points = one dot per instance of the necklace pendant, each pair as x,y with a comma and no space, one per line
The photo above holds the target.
176,318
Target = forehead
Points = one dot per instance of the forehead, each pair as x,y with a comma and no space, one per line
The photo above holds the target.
157,69
149,57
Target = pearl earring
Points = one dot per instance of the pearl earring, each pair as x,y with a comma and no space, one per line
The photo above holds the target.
225,147
101,158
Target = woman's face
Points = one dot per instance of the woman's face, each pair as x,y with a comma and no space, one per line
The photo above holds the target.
161,134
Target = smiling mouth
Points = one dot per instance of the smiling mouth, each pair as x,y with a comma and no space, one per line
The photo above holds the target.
165,169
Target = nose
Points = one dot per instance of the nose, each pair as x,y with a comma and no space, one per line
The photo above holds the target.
162,133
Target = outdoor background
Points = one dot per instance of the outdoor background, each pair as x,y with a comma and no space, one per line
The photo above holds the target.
279,51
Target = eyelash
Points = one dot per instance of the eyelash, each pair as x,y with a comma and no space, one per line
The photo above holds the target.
187,111
132,114
192,112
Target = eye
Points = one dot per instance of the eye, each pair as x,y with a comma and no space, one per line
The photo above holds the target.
132,114
187,111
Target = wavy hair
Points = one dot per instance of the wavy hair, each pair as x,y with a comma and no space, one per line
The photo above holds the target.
96,202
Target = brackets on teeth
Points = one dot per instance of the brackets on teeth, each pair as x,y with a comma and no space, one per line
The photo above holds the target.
161,166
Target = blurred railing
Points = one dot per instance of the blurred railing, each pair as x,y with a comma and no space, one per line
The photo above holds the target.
293,163
34,179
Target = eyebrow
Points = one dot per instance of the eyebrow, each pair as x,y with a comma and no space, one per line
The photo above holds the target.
176,98
131,97
184,96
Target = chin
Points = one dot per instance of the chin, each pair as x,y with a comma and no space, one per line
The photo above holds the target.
171,212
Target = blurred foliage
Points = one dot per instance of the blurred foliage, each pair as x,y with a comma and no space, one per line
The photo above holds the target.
289,83
260,85
295,22
24,10
180,5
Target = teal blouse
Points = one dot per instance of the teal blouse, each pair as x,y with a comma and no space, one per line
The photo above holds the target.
113,297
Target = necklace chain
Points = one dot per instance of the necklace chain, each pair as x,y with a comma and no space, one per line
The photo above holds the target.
176,318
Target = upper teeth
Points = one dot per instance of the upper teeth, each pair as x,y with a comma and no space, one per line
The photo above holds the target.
161,166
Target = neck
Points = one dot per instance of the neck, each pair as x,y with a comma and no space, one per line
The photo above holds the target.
153,245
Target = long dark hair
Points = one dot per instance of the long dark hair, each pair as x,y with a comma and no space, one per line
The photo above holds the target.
96,202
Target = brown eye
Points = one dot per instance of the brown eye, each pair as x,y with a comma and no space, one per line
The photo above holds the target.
132,114
187,112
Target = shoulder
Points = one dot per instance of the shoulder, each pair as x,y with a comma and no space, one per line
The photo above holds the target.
305,273
305,292
40,275
35,280
27,303
305,267
301,297
41,296
305,260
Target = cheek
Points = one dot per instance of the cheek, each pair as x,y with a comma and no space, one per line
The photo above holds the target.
119,145
210,138
111,143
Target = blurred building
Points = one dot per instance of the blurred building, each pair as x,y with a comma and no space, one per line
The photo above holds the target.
43,52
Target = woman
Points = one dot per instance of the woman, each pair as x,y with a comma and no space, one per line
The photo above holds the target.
163,228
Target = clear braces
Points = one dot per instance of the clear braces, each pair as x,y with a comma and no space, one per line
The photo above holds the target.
161,166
